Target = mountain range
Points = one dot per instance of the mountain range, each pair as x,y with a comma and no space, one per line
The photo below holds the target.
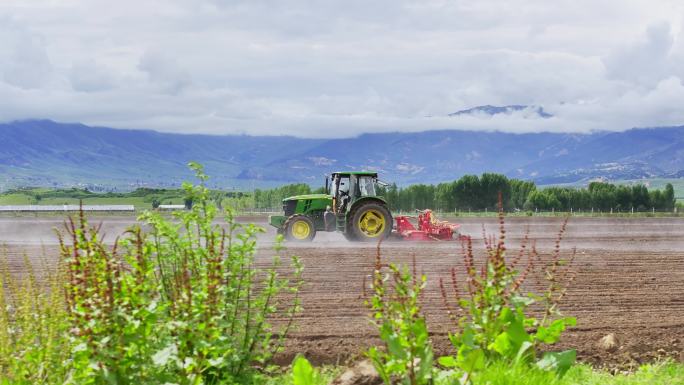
47,153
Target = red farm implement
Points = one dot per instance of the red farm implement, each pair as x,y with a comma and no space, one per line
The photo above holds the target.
428,228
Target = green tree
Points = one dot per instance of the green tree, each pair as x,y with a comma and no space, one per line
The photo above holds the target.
657,200
623,198
467,192
444,193
519,191
602,195
536,200
392,196
669,197
273,197
640,198
491,185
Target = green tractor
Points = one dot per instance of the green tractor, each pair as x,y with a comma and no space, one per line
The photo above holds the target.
349,205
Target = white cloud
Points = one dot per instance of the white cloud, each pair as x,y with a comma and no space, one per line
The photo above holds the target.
23,60
164,71
88,76
646,61
338,69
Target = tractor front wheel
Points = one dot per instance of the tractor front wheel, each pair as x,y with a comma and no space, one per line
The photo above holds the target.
299,228
370,222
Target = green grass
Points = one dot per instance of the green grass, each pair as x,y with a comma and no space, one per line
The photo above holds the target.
326,375
14,199
20,199
666,373
60,197
142,198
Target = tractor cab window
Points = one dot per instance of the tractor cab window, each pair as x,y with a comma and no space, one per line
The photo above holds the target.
344,185
366,186
341,189
341,186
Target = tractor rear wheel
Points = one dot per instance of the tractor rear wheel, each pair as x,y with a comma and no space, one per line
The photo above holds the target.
299,228
370,222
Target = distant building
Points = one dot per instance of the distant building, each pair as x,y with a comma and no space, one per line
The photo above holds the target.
171,207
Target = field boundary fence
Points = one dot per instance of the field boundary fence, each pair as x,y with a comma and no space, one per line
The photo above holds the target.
259,211
67,208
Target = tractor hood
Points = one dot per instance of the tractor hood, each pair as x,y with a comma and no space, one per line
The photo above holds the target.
307,197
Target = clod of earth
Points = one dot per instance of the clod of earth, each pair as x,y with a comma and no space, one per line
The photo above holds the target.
609,343
362,373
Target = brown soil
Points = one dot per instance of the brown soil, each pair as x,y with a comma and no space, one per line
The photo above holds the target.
630,282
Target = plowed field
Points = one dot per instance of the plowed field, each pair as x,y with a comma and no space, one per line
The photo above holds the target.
630,282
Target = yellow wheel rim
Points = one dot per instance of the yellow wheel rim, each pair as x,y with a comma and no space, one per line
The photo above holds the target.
301,230
372,223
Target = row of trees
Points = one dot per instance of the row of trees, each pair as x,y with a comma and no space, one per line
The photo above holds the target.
602,196
272,198
471,192
467,193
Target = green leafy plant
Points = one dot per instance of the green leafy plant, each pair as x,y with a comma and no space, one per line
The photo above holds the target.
181,303
493,318
408,356
303,373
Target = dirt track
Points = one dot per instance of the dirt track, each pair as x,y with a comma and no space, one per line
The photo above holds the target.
630,282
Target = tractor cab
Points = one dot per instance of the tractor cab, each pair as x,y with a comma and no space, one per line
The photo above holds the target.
361,214
348,187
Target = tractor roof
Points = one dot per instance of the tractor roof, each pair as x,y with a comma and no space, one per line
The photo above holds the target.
307,197
371,173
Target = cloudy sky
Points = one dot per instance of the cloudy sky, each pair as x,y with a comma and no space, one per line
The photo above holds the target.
339,68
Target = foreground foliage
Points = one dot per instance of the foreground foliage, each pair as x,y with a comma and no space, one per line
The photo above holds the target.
408,355
32,328
500,373
181,303
491,314
496,323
